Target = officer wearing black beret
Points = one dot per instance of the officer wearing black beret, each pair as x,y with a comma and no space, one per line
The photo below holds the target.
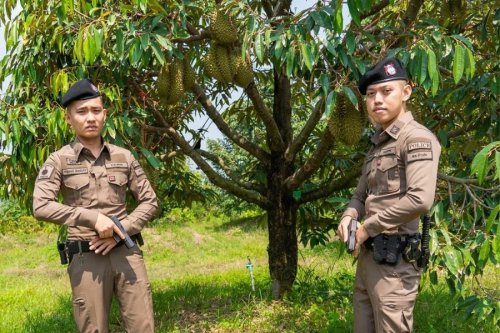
93,177
397,186
81,90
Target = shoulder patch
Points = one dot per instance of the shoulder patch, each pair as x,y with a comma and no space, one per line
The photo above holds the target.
46,171
138,171
427,145
419,155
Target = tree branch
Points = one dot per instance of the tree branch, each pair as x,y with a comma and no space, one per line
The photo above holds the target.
310,125
335,185
275,141
463,181
212,175
223,165
412,11
268,8
282,6
374,9
253,149
313,163
196,37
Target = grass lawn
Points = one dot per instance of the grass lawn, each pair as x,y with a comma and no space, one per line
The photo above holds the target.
201,284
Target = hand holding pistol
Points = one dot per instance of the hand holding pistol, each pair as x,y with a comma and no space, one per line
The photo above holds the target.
351,240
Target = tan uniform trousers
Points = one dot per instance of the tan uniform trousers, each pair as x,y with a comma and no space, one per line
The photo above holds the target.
94,278
384,296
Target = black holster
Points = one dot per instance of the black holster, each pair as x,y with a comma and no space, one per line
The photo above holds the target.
63,253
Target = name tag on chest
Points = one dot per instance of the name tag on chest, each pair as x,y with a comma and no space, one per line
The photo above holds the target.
74,171
113,165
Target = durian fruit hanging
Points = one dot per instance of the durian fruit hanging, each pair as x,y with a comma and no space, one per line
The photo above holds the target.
225,65
244,72
189,77
174,79
346,123
222,28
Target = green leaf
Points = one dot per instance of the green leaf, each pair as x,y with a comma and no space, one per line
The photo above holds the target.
135,52
431,63
259,47
251,24
307,55
451,260
158,53
339,18
422,64
435,84
351,95
324,81
458,63
484,253
152,160
330,103
350,42
479,164
290,62
16,130
492,218
471,64
353,9
145,41
163,42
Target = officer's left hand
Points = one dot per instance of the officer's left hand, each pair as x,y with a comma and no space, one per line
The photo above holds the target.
361,237
102,245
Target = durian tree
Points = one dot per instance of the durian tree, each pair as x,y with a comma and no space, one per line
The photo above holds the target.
280,85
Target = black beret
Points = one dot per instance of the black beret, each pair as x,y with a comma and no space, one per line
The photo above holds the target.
389,69
83,89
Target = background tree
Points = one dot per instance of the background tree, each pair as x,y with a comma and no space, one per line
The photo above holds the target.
297,72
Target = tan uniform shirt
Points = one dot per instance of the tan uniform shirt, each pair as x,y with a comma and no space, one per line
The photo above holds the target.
90,186
398,182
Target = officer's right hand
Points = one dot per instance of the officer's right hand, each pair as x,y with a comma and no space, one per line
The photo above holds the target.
343,229
105,227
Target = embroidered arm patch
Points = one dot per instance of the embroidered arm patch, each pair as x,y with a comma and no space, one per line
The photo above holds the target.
46,171
137,168
420,149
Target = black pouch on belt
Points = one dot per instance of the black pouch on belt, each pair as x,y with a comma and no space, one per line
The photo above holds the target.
387,249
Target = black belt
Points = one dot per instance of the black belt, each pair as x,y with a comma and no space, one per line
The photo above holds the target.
80,246
403,240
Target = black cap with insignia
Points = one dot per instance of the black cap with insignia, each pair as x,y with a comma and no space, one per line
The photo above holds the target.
389,69
83,89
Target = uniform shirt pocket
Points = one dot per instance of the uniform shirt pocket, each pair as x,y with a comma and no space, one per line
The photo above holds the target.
117,181
388,174
76,190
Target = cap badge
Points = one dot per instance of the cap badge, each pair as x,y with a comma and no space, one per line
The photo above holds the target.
390,69
94,88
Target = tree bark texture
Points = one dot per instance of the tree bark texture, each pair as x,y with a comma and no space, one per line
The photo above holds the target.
282,229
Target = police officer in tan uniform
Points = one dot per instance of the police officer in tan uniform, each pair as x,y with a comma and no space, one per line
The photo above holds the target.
397,186
93,177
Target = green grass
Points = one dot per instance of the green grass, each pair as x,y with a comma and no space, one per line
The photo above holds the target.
200,283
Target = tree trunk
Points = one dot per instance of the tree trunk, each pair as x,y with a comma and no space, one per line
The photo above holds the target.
282,248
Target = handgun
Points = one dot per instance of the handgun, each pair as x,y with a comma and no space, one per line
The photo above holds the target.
351,241
129,243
